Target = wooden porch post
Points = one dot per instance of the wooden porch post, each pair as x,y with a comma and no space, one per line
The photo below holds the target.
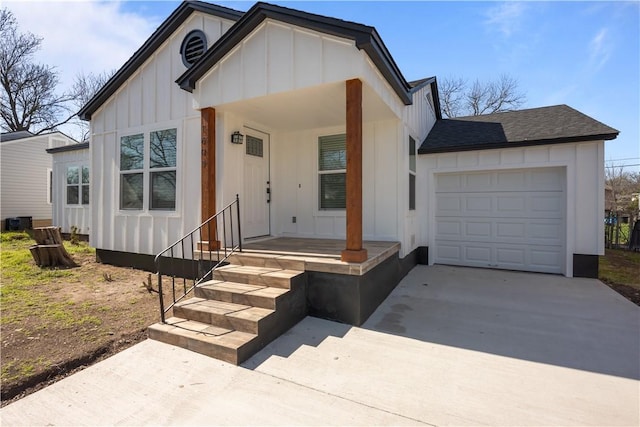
208,170
354,251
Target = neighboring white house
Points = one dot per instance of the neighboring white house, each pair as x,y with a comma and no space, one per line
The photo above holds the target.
521,190
71,188
26,175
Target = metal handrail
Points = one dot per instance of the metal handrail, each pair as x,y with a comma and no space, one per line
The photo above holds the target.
179,259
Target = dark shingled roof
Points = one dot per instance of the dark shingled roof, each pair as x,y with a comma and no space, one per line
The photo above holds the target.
12,136
537,126
70,147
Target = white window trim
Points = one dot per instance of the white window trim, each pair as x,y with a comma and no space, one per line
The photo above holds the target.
146,210
319,211
80,166
50,186
413,173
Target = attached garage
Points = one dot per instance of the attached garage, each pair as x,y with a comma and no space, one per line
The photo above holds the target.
511,219
519,190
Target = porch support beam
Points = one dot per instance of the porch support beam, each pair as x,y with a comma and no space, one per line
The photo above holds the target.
354,251
208,174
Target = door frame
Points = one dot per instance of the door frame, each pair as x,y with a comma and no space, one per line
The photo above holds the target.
266,138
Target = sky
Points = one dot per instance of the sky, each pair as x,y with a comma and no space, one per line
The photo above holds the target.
583,54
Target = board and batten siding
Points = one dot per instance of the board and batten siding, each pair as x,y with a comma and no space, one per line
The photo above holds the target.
25,167
150,100
66,216
419,118
583,166
277,58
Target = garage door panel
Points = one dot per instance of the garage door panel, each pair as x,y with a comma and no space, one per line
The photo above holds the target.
451,229
511,204
531,204
477,254
449,251
547,203
477,205
545,259
510,230
502,219
478,229
511,256
477,181
510,180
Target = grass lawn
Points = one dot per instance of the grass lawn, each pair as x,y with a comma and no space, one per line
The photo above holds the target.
57,319
620,269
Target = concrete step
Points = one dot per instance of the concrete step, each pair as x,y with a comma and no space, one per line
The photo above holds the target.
261,276
283,262
240,293
220,343
243,318
253,259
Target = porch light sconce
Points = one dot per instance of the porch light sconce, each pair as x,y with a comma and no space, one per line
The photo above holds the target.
237,137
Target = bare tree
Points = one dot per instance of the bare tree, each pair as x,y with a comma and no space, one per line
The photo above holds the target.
28,100
84,88
451,95
458,98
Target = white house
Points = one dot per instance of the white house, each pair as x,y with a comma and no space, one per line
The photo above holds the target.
26,181
336,145
71,188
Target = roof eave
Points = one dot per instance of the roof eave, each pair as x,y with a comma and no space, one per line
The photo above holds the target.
515,144
158,37
70,147
365,38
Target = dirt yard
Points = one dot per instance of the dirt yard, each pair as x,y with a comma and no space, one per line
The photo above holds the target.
55,321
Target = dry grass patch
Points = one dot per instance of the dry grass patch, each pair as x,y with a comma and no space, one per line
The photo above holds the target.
54,320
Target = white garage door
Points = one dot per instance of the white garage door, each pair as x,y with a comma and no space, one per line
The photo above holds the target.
512,219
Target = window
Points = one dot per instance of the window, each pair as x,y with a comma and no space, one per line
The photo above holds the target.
77,185
412,174
131,171
163,166
85,185
332,168
150,163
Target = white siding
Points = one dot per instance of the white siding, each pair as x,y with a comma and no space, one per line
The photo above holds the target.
277,58
583,165
294,178
25,167
65,216
150,100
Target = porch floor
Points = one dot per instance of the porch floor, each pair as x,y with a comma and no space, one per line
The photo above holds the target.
321,254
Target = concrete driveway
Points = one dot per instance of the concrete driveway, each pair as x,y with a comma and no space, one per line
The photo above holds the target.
450,346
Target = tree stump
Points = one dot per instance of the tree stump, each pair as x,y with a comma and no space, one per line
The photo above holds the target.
49,250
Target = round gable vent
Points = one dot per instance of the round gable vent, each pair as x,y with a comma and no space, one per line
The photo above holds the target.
193,47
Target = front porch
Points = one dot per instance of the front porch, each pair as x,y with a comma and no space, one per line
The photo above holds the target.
320,255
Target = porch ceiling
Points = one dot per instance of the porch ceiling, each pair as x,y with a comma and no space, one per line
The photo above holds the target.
319,106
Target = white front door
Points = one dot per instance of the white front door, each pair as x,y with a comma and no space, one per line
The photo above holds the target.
255,203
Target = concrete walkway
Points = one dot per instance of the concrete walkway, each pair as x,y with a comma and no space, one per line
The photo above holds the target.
450,346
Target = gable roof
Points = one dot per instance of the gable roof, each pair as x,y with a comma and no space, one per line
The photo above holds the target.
70,147
12,136
25,134
365,38
159,36
536,126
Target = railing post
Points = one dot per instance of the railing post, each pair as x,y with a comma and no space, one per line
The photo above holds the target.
239,229
160,294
